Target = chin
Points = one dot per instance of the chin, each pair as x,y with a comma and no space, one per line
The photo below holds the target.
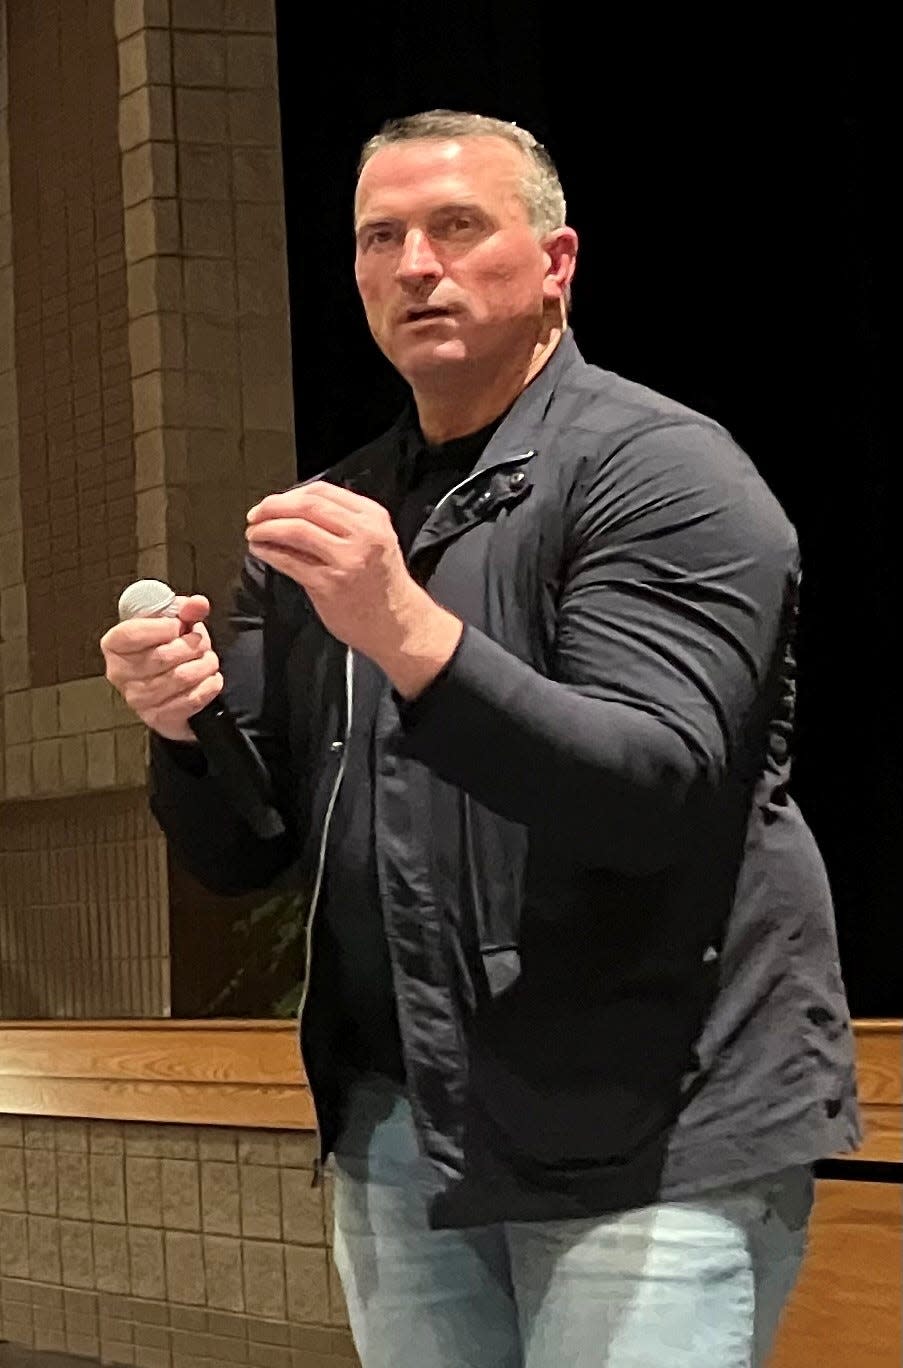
427,359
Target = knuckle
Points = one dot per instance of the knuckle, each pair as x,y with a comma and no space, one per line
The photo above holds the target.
186,673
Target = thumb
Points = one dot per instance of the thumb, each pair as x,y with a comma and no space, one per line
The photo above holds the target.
192,609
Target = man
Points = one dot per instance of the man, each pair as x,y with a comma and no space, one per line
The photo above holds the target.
522,673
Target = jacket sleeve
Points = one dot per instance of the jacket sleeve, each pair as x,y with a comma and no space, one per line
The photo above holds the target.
209,838
677,568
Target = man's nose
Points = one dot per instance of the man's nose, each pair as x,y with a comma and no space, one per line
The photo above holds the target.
418,260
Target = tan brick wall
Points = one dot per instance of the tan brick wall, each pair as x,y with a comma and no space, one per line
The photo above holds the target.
145,377
81,891
143,410
71,327
167,1246
67,495
68,738
208,291
14,671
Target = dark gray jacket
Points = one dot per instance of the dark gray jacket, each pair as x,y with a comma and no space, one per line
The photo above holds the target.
611,934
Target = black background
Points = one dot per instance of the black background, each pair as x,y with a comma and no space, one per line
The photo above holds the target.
730,194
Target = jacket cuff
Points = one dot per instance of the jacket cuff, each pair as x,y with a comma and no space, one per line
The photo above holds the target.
410,709
184,757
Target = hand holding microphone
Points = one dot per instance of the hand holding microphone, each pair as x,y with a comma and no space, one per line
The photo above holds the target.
160,658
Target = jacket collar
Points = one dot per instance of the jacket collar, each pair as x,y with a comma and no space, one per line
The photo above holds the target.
502,475
372,470
522,428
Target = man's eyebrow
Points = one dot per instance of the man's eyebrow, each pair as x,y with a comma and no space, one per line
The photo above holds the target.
375,221
450,207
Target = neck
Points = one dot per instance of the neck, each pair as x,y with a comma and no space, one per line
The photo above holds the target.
473,400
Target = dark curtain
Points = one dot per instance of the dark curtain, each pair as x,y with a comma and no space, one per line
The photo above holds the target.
730,192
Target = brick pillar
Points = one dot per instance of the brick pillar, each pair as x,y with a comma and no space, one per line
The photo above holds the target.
145,403
14,673
67,497
207,280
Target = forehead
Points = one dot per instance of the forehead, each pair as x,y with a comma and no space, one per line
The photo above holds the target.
424,173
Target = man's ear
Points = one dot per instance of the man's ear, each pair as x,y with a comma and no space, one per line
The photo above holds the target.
560,249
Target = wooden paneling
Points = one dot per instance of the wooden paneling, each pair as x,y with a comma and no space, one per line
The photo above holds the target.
846,1308
883,1136
202,1104
879,1073
214,1073
879,1061
200,1052
249,1073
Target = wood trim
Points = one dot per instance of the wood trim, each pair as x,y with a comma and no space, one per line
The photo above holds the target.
173,1051
882,1140
248,1073
879,1074
217,1073
202,1104
846,1306
879,1062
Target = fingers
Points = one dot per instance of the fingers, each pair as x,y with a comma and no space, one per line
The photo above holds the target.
343,498
295,535
328,505
171,719
165,667
310,507
166,704
147,694
124,666
138,635
304,570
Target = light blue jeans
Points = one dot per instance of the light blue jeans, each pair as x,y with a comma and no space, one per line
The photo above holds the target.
690,1284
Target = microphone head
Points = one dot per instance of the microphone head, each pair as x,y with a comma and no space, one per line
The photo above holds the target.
144,598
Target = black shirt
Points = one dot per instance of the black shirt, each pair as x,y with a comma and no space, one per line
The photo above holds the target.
351,932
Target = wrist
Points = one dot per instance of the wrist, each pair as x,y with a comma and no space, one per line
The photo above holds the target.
176,736
427,639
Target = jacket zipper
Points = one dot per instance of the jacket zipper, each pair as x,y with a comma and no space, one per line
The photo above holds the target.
330,809
318,882
475,475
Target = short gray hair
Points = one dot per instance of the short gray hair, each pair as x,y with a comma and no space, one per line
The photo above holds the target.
541,190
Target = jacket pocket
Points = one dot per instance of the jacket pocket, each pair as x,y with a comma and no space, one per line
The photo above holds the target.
492,891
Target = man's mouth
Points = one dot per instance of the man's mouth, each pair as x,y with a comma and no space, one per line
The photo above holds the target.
426,312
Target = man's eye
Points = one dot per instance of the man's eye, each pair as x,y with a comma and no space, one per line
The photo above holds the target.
378,237
455,225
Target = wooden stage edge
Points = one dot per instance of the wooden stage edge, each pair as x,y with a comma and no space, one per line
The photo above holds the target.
248,1073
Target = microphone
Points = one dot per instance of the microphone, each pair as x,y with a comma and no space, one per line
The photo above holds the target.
231,755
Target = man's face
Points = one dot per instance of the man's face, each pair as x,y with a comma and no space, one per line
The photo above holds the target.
448,267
